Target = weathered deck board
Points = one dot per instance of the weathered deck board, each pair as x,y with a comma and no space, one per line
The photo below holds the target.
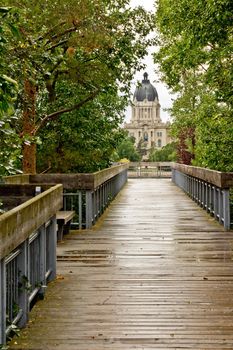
155,273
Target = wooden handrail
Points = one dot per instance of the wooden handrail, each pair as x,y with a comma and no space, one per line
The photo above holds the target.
17,224
70,181
217,178
149,164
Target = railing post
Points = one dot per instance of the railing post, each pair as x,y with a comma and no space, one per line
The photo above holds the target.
220,206
2,302
89,209
80,211
226,209
42,259
51,248
216,198
211,199
173,175
23,296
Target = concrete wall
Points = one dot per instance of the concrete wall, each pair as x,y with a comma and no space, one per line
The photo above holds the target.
17,224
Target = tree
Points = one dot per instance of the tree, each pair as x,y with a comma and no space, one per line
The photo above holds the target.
214,135
195,59
83,141
126,149
142,147
91,44
183,114
196,36
9,140
165,154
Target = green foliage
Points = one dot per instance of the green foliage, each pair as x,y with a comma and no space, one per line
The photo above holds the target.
126,149
84,140
4,347
165,154
196,35
93,46
195,59
214,136
9,140
89,42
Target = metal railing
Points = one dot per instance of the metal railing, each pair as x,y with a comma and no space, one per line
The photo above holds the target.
27,257
89,205
86,194
150,170
207,188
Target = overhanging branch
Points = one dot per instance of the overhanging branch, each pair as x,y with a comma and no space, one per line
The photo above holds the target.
57,44
56,114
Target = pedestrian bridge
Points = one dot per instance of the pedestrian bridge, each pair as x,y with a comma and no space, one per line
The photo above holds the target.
155,272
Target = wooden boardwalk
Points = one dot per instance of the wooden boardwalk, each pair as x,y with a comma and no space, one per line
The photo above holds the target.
155,273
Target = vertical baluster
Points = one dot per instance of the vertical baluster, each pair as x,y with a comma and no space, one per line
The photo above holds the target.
226,208
193,187
89,209
202,194
42,261
216,202
101,199
173,175
95,199
11,292
31,264
51,248
2,301
220,206
15,281
80,211
208,194
23,277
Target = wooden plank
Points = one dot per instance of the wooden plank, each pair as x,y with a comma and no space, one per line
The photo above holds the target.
63,222
65,216
154,273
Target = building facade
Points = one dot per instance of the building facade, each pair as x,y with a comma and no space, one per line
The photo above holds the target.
146,125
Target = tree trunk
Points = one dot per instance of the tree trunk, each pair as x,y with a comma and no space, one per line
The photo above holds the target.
29,111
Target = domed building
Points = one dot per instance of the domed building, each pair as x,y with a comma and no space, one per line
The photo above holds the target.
146,125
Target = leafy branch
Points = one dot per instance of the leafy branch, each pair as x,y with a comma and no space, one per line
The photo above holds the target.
54,115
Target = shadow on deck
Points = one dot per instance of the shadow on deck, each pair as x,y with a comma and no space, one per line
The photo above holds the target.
154,273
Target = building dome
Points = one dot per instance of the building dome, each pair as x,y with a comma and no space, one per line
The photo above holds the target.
146,91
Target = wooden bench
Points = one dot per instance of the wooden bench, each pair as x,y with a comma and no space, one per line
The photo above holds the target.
63,222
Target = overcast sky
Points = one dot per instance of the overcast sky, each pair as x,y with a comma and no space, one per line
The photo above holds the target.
164,96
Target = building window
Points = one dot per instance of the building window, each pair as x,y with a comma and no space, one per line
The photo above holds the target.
145,136
159,143
151,134
159,134
139,134
149,114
